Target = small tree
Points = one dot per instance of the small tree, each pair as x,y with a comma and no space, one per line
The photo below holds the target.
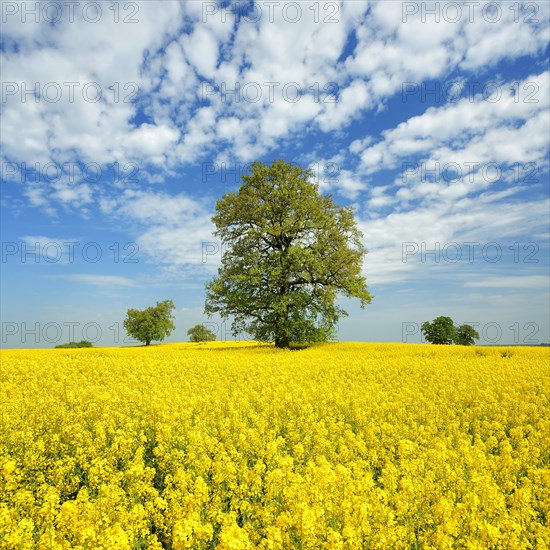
153,323
466,335
440,331
199,333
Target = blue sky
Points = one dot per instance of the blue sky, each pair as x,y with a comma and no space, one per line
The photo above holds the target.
123,122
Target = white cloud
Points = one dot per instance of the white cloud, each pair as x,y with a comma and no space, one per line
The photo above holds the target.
481,220
201,49
412,41
173,229
87,81
104,281
351,102
151,142
391,49
79,194
521,282
466,147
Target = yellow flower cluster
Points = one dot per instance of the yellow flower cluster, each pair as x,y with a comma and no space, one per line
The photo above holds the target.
239,445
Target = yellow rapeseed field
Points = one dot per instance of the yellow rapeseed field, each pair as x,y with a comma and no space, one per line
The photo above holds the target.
240,445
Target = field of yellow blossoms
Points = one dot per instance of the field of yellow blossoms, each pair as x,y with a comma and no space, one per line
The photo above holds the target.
240,445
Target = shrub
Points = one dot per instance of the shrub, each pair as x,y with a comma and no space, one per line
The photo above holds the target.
71,345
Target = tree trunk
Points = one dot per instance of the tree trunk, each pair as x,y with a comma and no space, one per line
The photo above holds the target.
147,342
281,339
282,343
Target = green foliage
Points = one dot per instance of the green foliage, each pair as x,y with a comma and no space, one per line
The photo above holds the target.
153,323
466,335
443,331
289,251
199,333
440,331
72,345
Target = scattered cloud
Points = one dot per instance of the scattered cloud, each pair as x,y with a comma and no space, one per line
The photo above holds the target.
432,124
521,282
103,281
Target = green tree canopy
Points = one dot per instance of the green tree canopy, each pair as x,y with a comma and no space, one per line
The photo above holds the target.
289,251
152,323
199,333
440,331
466,335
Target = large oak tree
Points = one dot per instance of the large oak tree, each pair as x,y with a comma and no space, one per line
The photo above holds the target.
288,252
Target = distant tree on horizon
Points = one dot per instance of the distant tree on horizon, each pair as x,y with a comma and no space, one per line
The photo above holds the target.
466,335
199,333
152,323
442,330
73,345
